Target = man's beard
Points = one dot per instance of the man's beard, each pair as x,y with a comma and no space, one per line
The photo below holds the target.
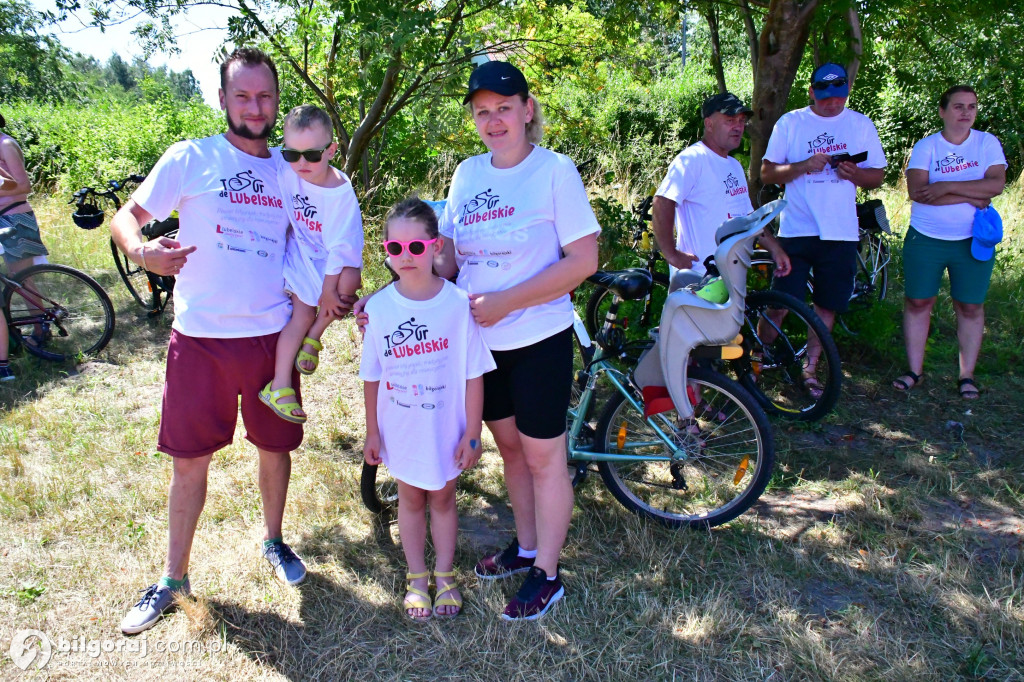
243,131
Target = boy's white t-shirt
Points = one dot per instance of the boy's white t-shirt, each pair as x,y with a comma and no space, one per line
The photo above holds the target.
230,209
509,224
707,189
945,161
326,235
822,204
422,353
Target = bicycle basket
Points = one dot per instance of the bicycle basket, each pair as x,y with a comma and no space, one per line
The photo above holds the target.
872,218
88,216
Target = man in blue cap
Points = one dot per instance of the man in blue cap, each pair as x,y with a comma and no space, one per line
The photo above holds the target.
822,154
704,187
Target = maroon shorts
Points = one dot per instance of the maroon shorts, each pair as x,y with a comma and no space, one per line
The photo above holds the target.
204,379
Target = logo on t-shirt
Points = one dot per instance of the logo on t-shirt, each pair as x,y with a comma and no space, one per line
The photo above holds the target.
410,338
481,208
304,211
825,144
245,188
953,162
733,187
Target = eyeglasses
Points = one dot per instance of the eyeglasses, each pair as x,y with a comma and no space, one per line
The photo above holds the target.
824,85
417,247
311,155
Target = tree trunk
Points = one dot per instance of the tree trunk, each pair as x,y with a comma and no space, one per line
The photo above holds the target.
711,16
748,24
780,49
856,44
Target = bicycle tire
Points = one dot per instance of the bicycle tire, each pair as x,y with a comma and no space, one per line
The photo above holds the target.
772,371
67,313
718,482
870,284
630,312
378,489
133,276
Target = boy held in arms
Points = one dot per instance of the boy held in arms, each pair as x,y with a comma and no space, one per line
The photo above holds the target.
324,253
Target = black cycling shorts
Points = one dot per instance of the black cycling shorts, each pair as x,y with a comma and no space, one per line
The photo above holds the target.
834,263
532,384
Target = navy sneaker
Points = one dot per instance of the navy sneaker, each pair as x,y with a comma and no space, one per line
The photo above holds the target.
156,601
505,563
6,373
288,567
535,597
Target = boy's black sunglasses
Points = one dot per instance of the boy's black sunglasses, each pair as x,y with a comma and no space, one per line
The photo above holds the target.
311,155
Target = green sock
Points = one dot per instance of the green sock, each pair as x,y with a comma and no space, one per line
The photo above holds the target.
268,543
172,583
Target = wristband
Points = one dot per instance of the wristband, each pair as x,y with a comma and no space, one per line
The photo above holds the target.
142,252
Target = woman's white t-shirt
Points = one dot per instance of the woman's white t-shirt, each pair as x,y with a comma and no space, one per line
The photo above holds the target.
945,161
326,234
230,209
822,204
509,224
422,353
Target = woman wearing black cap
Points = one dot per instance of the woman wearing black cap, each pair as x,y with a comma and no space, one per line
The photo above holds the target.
521,235
21,241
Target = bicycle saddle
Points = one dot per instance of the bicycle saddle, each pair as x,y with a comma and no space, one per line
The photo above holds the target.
631,285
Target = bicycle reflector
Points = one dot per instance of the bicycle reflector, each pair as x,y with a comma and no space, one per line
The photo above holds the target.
88,216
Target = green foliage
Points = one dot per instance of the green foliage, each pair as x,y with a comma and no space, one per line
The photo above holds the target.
32,65
73,145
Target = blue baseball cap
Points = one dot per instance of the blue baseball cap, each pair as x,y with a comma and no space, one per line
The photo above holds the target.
830,80
987,232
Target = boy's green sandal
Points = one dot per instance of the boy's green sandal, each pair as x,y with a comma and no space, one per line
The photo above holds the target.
306,356
441,600
285,411
416,598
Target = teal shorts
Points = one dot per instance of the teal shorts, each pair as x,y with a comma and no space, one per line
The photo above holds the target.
926,258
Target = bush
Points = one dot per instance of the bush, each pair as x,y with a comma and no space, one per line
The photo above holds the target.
73,145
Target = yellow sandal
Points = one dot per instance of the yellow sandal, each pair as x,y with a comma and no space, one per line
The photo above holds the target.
306,356
285,411
416,598
440,600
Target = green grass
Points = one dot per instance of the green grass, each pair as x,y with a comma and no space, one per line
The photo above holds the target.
888,545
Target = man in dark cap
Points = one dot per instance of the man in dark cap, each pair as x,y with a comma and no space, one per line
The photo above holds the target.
704,187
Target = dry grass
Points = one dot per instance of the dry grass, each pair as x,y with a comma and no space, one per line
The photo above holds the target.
887,547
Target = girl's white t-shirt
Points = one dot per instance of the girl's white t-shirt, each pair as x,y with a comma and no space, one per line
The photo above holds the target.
822,204
509,224
326,234
944,161
707,189
231,210
422,353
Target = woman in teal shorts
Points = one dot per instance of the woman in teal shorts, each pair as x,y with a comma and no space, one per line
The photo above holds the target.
950,175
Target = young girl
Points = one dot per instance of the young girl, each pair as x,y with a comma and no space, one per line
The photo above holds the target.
422,364
324,252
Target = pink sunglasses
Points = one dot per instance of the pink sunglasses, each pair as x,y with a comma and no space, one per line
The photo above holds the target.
417,247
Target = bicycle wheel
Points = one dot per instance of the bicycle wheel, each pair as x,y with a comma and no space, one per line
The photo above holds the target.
133,276
871,283
378,490
630,313
773,370
729,455
58,312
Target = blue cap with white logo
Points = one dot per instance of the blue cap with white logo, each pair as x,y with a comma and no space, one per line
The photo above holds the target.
830,80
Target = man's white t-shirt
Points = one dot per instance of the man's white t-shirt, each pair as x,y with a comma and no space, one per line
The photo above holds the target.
326,235
707,189
230,209
822,204
509,224
946,161
422,353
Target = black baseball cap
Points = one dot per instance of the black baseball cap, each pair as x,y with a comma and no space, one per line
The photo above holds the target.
727,103
499,77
